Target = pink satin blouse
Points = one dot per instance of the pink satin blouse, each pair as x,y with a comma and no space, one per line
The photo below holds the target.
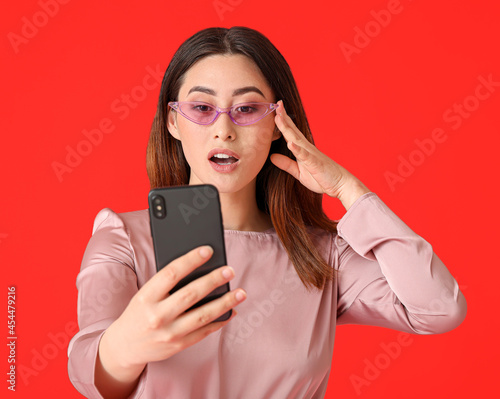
281,343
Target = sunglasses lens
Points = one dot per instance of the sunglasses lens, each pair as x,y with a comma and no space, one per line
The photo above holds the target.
248,113
242,114
200,112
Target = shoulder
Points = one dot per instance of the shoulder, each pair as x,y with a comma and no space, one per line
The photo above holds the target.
118,236
108,219
133,225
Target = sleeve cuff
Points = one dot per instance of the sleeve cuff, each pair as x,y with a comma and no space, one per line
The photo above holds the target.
82,354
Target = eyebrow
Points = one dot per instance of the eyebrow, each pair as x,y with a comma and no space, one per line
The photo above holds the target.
237,92
247,89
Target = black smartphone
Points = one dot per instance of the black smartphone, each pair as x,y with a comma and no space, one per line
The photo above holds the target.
183,218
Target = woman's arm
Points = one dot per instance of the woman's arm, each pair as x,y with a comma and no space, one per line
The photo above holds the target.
123,328
389,276
154,326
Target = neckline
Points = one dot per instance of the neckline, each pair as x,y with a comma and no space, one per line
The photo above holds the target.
269,231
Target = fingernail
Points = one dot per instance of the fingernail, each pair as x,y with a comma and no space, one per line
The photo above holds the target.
205,251
240,295
228,272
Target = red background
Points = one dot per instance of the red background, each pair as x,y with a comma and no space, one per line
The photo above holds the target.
365,114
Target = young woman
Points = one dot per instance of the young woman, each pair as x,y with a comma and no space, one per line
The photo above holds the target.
230,115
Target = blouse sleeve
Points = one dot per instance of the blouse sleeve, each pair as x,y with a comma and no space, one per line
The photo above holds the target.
389,276
106,283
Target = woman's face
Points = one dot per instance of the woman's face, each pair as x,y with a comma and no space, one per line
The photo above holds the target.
224,81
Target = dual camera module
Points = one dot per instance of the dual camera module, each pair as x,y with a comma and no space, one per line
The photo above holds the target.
159,208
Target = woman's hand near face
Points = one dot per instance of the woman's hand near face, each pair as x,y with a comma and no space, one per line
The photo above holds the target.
154,326
312,168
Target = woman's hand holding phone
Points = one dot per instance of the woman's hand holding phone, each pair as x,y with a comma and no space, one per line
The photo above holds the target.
155,325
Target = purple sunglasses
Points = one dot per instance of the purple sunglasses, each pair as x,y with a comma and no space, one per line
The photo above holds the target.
240,114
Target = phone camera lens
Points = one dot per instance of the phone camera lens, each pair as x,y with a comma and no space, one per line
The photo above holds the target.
158,207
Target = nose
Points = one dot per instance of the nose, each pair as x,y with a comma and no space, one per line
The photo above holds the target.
224,127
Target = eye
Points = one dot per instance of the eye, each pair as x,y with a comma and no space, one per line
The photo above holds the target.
202,108
246,109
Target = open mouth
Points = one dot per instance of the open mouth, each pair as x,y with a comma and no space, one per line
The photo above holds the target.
223,159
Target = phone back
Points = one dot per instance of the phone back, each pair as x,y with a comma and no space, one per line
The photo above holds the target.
191,216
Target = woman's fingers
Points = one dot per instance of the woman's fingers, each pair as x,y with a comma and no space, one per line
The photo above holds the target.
169,307
161,283
287,164
312,168
197,335
199,317
287,127
301,154
193,292
301,148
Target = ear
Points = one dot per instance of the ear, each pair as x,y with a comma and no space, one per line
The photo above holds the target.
172,124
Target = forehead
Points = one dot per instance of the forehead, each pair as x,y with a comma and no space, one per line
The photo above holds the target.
224,74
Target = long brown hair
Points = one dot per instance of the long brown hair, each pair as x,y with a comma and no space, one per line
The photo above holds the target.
291,206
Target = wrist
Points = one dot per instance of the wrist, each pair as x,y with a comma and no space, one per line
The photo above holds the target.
112,356
351,191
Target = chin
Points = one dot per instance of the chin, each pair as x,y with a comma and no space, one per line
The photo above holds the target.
226,188
225,184
230,187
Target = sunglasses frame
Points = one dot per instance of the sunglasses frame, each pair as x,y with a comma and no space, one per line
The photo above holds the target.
176,106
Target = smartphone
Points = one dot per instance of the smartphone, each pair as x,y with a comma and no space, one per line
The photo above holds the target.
183,218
